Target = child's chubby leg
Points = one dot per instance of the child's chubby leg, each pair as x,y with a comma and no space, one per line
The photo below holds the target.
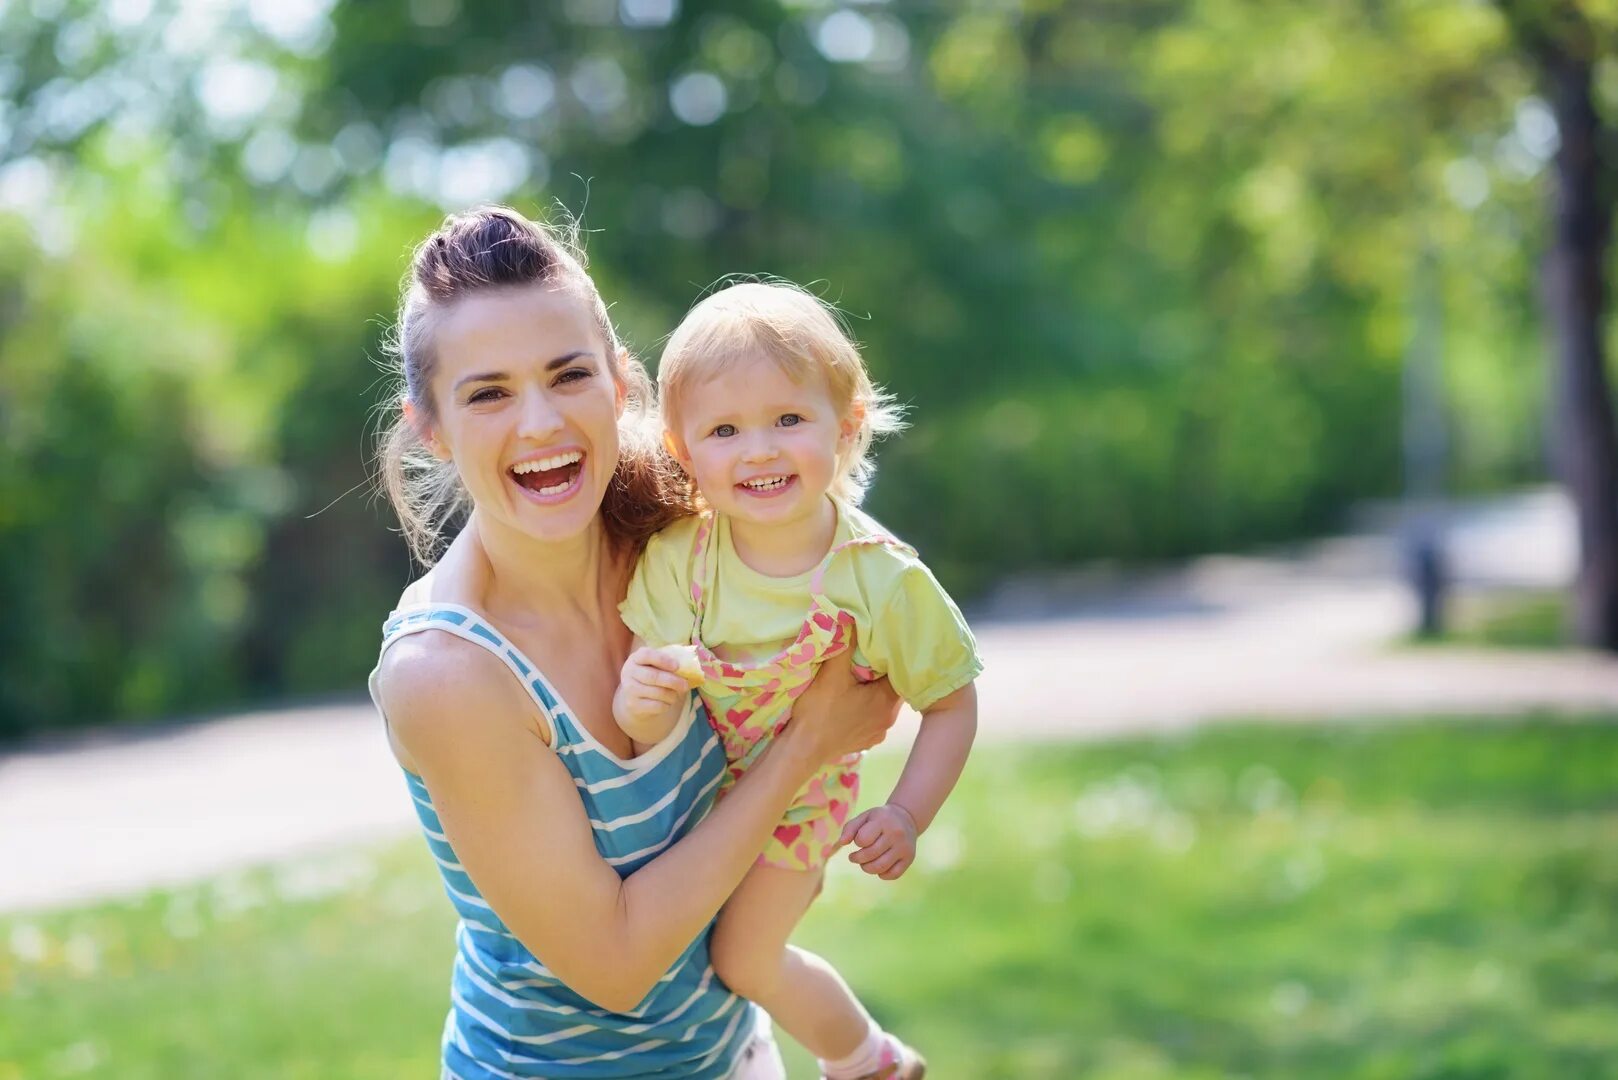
801,992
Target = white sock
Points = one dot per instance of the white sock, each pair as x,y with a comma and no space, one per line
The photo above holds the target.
866,1058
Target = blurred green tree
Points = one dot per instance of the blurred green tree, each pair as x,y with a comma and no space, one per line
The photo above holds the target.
1566,42
1141,268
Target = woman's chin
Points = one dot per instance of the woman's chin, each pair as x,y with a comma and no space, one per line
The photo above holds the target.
557,515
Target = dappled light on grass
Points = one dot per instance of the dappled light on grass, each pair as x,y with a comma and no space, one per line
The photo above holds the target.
1420,900
1354,902
299,965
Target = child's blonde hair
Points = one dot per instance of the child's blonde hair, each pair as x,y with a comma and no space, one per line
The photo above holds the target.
806,337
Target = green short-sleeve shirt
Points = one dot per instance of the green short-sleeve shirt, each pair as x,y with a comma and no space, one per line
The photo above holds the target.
906,625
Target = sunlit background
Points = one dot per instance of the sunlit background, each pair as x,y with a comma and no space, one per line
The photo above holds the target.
1217,321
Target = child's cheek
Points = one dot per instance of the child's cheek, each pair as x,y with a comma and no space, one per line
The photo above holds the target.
713,473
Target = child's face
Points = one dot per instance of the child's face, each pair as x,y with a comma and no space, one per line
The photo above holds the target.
761,447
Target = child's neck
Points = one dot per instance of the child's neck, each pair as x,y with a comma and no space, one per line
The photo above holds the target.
787,548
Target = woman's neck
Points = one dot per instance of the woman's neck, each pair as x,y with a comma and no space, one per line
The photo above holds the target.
579,577
789,548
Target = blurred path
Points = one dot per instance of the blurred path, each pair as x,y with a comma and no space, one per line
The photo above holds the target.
1309,634
1302,634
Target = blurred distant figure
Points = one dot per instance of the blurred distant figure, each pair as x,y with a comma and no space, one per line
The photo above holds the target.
1425,438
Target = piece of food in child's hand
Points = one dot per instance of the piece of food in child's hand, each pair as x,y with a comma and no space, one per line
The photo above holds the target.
690,668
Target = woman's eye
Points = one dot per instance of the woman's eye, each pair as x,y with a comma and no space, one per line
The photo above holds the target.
488,393
725,431
573,375
790,419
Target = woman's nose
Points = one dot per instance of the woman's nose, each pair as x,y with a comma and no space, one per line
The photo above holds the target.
539,419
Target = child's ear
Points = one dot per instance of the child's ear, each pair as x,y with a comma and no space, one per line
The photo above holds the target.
852,421
424,431
676,448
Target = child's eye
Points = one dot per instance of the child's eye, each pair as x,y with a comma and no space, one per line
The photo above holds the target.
790,419
725,431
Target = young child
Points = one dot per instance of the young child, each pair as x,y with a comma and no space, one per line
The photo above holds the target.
768,407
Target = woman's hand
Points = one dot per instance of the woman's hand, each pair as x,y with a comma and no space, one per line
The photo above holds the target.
838,715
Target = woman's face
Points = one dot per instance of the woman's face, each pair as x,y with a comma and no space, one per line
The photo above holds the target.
528,400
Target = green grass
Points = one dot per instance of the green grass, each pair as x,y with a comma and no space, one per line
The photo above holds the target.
1435,901
1517,620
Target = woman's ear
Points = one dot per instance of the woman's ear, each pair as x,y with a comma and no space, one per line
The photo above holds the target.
424,431
620,382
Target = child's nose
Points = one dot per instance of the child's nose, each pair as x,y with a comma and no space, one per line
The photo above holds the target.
759,449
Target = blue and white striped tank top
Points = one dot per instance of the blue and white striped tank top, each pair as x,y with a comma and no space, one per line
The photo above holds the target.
509,1016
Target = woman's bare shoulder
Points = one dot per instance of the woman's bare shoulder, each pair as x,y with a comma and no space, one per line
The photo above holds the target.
437,689
426,660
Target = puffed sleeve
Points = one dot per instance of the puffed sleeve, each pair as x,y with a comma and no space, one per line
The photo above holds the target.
658,608
920,640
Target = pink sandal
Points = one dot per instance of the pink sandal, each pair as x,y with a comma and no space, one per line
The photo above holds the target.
908,1065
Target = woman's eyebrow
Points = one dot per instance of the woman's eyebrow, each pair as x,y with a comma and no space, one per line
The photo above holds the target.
487,376
501,376
568,358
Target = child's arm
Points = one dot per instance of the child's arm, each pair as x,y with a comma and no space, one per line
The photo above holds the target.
886,835
652,692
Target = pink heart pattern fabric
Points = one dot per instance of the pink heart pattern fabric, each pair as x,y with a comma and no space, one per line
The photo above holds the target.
750,704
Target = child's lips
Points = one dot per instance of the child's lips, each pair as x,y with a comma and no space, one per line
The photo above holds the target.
773,487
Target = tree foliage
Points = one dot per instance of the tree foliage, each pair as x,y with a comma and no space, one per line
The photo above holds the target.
1142,269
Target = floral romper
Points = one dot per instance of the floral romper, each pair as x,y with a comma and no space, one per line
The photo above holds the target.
750,703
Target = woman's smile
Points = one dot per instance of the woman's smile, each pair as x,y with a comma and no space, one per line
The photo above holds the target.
550,479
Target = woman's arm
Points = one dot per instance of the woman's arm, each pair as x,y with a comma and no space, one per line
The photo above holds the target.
512,813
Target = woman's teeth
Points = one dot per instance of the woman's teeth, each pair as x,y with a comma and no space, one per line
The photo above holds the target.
549,475
547,464
768,483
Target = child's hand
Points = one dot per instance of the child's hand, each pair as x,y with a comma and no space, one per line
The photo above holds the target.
886,836
648,691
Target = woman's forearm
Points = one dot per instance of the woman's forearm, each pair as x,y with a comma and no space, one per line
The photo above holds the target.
608,938
667,903
662,907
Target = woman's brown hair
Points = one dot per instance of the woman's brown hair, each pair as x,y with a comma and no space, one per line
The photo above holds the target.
495,247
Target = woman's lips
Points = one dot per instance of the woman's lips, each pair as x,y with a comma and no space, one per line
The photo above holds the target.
550,485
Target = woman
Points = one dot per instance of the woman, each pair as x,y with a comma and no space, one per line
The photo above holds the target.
586,876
